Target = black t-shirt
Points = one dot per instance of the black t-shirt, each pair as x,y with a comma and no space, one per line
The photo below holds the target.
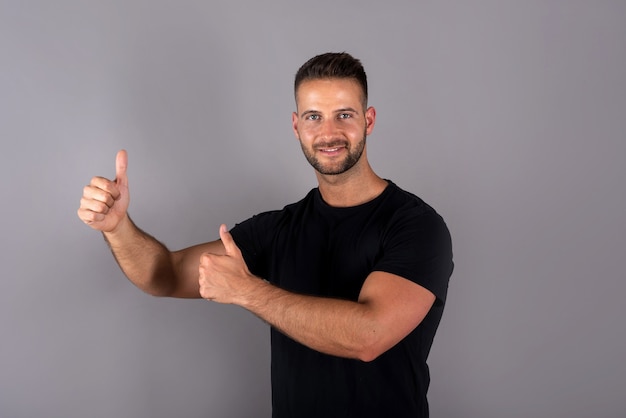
312,248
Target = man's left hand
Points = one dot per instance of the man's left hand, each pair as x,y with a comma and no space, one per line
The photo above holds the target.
225,278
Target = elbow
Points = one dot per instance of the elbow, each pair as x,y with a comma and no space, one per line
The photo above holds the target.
367,357
371,348
370,354
159,291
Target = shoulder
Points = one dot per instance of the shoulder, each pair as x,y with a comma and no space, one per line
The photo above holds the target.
406,205
414,220
417,244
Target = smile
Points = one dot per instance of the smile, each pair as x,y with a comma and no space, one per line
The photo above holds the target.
331,148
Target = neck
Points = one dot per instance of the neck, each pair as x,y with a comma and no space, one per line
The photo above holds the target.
352,188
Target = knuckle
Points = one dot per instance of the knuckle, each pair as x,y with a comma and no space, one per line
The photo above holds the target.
86,216
101,207
103,197
110,201
95,181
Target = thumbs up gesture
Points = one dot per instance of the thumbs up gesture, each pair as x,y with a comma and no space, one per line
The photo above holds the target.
104,202
225,278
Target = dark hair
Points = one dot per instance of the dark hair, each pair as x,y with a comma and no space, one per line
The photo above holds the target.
332,65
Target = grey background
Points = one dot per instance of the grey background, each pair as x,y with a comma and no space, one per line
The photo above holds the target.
509,117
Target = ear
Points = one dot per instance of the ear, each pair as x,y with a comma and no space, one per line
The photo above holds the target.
370,119
294,124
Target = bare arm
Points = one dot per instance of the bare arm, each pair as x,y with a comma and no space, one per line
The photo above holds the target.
151,267
146,262
388,309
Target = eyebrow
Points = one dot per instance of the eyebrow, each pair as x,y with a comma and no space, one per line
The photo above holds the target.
347,109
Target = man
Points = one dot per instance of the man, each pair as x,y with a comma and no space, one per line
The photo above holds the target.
352,278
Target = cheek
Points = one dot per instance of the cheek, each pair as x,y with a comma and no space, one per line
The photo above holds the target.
355,129
307,125
306,131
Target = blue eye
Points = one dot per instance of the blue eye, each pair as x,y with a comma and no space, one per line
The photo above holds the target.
313,117
344,116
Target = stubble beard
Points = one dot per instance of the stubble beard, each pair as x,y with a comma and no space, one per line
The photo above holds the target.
353,157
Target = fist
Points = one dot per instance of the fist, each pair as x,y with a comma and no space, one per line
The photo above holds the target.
225,278
104,202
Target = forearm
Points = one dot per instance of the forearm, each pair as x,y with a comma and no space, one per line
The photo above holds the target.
332,326
145,261
389,307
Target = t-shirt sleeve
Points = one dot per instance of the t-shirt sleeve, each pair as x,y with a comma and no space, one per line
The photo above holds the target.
251,237
418,247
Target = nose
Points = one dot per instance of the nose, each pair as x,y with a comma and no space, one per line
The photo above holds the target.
328,128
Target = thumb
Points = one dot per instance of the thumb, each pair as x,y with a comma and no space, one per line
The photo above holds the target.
228,241
121,163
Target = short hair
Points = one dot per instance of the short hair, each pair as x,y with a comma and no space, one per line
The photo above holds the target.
332,65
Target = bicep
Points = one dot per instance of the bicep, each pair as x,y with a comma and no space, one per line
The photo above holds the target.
186,263
398,305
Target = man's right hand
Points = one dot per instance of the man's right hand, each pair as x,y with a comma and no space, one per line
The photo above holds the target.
105,202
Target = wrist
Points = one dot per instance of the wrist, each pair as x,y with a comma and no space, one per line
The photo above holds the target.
256,295
121,229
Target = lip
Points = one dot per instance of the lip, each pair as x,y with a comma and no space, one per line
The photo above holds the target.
331,150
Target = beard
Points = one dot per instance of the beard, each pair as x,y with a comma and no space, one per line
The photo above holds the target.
339,167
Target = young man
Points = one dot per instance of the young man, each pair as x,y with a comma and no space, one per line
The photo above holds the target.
352,278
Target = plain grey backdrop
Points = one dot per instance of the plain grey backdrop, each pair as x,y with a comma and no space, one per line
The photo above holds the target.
509,117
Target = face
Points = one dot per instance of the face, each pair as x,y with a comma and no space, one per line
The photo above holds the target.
331,124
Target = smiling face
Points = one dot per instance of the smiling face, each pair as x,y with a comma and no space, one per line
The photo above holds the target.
332,124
